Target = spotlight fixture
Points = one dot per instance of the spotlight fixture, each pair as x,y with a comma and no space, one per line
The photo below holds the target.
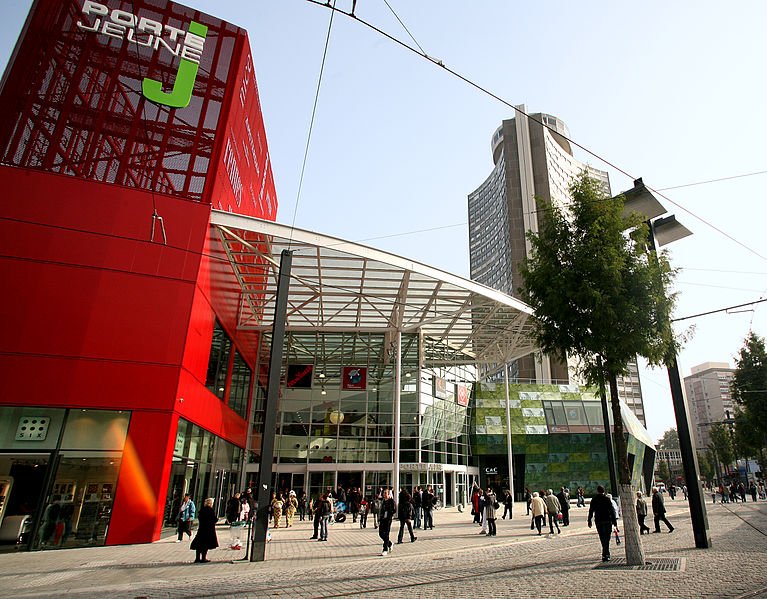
323,392
407,375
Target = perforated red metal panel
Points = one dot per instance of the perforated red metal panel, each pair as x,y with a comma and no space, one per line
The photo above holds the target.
72,100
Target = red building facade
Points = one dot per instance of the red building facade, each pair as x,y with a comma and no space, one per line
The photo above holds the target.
126,121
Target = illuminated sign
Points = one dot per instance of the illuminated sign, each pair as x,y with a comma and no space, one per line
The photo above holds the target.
187,46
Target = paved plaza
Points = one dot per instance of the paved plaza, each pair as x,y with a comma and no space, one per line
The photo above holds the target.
452,560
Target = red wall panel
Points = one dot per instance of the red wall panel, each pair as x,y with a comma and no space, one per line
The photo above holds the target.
143,480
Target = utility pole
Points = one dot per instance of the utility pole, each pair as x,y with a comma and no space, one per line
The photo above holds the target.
270,417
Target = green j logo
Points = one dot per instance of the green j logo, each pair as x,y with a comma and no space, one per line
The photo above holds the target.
181,94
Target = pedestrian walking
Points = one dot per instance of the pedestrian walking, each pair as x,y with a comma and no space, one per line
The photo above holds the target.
528,499
659,511
641,508
538,509
752,490
290,507
602,513
206,538
405,515
580,499
388,510
508,505
186,514
564,504
276,504
491,504
553,509
302,506
428,499
233,509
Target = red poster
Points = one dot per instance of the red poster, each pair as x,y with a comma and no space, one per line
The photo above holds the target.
354,377
463,395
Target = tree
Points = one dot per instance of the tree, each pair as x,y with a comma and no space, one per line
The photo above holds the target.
721,444
669,440
749,389
706,465
601,297
663,471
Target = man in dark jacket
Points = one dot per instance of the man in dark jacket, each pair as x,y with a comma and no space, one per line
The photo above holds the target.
417,506
427,503
602,513
405,515
564,505
659,511
388,510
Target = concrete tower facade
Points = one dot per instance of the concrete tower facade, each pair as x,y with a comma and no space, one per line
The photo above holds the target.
532,158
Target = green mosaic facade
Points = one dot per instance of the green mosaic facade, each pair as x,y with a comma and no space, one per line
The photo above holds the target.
557,437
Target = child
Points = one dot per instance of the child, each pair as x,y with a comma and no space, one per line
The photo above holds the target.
364,513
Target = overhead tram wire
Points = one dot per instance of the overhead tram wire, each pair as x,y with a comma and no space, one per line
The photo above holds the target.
311,122
759,301
713,180
535,120
405,28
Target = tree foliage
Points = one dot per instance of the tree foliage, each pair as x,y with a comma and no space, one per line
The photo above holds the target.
721,444
663,471
596,290
706,465
669,440
749,389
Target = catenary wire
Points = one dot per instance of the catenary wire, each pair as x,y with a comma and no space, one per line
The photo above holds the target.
405,28
712,181
523,113
311,122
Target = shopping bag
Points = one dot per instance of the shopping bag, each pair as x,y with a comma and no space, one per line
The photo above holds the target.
617,536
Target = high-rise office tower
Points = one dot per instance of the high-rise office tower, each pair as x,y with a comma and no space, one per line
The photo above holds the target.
532,159
710,398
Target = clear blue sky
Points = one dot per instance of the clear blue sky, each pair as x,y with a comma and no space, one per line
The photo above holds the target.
671,92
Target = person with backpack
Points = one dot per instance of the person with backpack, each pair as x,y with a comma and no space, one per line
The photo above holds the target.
386,515
405,515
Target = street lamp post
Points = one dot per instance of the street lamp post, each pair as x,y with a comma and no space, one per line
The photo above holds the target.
665,230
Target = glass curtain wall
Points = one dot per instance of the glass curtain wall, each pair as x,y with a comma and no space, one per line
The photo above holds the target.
204,465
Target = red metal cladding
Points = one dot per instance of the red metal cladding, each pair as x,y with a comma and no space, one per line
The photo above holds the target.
108,309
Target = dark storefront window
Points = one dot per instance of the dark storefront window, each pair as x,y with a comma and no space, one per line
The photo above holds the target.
238,390
70,505
204,465
218,363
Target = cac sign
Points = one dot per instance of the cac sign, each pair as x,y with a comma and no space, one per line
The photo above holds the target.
187,46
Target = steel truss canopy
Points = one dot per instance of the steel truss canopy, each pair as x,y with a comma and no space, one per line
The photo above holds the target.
341,286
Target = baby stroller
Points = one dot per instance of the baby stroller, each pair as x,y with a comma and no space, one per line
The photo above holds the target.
340,512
